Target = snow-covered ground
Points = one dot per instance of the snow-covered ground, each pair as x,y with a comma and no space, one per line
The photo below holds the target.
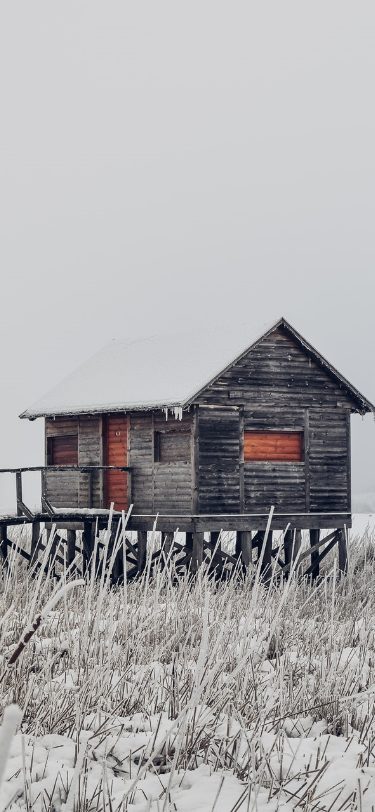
193,696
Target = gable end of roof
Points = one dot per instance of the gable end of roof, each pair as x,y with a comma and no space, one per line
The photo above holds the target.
363,405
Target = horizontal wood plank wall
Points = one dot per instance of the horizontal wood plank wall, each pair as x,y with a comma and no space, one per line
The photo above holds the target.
90,452
173,480
61,425
329,445
62,487
276,382
69,488
278,484
141,460
219,460
276,373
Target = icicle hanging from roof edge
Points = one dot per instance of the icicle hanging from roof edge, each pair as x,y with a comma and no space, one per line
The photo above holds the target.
177,411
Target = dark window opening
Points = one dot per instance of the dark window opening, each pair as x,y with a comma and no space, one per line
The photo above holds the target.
173,446
273,446
62,450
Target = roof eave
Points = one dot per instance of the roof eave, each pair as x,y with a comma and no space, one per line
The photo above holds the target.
29,415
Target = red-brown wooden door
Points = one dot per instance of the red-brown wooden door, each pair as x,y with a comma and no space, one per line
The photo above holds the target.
116,453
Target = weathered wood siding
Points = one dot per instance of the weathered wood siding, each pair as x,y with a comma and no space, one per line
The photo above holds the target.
280,387
173,480
71,488
219,458
141,456
276,386
329,460
163,487
90,452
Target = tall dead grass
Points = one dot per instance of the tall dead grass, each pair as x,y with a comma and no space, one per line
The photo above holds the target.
219,658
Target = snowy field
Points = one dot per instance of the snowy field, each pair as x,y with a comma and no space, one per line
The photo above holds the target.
210,697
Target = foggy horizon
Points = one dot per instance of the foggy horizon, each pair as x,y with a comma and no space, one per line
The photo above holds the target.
166,167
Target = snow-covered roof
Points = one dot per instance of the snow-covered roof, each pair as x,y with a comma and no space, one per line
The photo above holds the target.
159,372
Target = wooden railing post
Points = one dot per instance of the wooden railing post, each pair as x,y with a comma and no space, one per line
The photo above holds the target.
19,492
43,483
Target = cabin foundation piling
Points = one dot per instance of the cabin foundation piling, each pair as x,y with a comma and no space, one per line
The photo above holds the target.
343,551
70,546
199,544
315,562
141,551
197,552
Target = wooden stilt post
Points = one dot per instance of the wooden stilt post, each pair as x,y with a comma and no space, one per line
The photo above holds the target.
197,552
141,550
118,566
297,541
4,543
292,546
244,547
314,539
88,537
35,537
267,557
343,551
189,544
189,541
70,546
288,547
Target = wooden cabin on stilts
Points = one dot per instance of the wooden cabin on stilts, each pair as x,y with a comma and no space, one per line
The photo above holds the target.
202,432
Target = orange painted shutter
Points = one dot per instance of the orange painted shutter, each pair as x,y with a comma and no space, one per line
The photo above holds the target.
272,446
116,439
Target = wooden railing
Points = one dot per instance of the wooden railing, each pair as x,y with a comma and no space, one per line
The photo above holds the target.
23,510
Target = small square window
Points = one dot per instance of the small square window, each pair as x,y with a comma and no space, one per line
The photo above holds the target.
62,450
172,446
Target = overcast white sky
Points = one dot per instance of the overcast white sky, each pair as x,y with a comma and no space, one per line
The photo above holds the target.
166,165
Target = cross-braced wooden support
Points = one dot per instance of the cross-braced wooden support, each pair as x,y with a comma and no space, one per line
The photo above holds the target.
196,547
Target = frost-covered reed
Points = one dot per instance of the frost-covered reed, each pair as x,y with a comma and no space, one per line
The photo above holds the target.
170,676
